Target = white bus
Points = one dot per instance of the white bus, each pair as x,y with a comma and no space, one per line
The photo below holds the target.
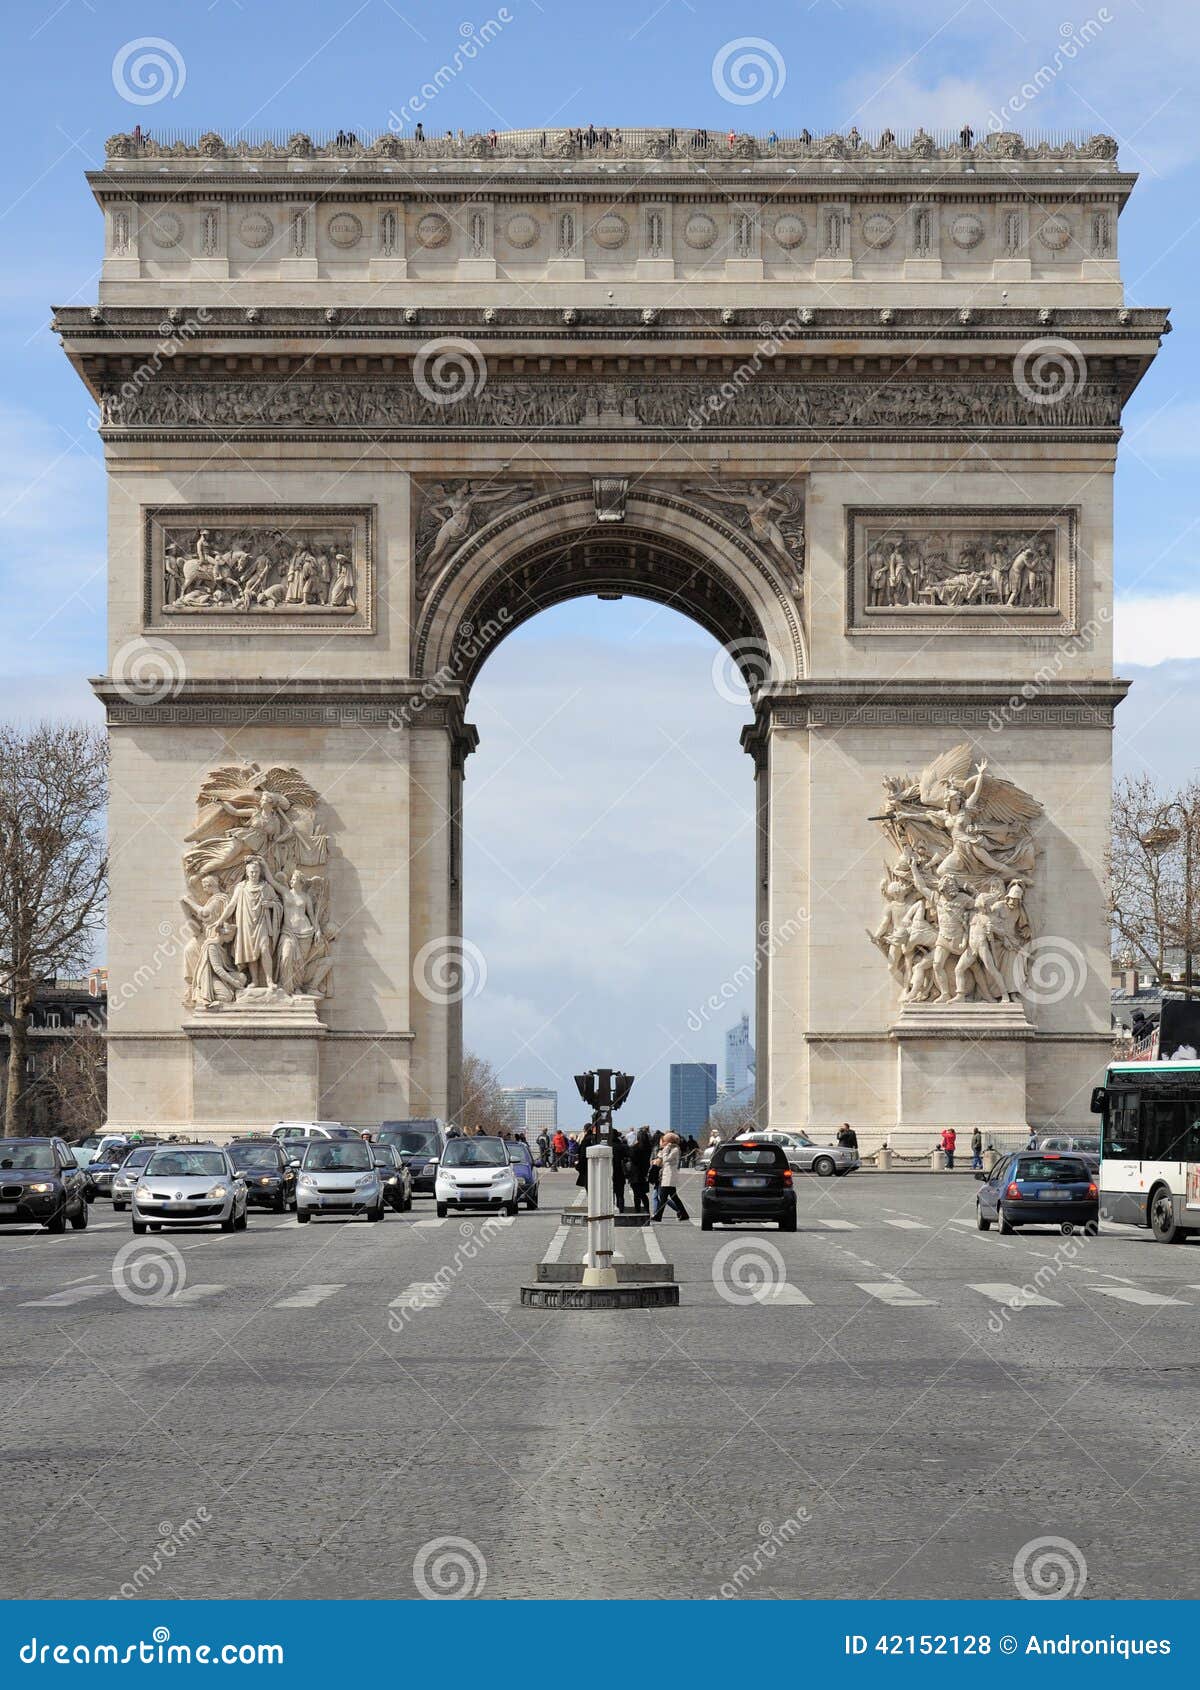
1150,1141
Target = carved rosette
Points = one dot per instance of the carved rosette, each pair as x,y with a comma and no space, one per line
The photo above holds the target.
955,928
256,910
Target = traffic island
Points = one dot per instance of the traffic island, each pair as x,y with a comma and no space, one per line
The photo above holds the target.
628,1273
599,1296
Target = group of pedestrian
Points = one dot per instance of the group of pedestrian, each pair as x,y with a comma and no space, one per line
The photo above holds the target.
948,1144
645,1171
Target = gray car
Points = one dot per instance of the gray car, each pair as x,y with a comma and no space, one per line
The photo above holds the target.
129,1174
805,1157
189,1185
338,1176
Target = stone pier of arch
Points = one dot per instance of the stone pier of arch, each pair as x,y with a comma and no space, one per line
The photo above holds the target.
726,392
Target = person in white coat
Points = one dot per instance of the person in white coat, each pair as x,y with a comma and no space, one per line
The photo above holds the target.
668,1160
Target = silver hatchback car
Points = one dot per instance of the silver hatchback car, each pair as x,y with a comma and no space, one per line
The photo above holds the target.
805,1157
338,1176
189,1185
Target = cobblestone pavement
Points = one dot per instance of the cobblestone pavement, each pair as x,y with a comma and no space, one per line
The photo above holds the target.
885,1403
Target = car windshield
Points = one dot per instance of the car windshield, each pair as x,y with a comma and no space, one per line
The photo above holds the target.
517,1152
136,1159
340,1155
1051,1170
382,1154
342,1132
749,1156
34,1156
409,1141
474,1153
186,1164
254,1156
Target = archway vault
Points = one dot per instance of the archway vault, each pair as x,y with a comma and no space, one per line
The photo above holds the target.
557,547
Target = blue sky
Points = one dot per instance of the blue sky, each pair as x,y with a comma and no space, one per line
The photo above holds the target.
564,705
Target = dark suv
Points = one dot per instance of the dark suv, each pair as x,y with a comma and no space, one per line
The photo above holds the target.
748,1180
420,1144
270,1178
41,1184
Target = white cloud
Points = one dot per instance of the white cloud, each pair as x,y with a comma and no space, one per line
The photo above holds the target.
1156,628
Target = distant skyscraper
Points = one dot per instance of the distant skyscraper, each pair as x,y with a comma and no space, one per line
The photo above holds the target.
533,1107
739,1058
693,1093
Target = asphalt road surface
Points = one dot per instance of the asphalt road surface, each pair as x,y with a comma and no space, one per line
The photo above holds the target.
885,1404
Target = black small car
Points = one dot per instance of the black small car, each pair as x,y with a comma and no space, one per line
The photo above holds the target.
397,1180
41,1183
420,1144
270,1177
748,1180
1039,1188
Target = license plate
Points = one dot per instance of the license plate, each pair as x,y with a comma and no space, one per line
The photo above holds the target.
1049,1196
8,1208
745,1180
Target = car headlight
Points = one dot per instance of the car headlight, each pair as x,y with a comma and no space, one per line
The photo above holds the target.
218,1191
367,1179
390,1180
143,1193
430,1168
307,1182
264,1179
42,1186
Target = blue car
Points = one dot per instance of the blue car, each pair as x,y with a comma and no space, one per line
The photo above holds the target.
1039,1188
521,1157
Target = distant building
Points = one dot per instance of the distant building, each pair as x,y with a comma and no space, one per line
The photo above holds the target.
693,1093
534,1108
739,1059
59,1009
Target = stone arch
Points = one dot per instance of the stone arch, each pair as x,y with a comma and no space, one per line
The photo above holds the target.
556,547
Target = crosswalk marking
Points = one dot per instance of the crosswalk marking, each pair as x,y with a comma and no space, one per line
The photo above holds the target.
1015,1296
654,1250
770,1295
837,1226
430,1221
557,1244
195,1293
956,1221
308,1296
421,1294
905,1225
1135,1294
64,1299
897,1295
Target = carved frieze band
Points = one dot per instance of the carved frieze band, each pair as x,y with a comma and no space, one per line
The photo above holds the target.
263,569
1013,710
672,406
955,570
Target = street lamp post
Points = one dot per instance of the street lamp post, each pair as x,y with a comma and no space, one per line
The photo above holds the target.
603,1091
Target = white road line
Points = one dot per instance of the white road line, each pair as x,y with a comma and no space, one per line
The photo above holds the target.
1135,1294
194,1293
770,1295
82,1278
64,1299
899,1296
654,1250
954,1221
906,1226
557,1244
421,1294
1015,1296
308,1297
838,1226
431,1221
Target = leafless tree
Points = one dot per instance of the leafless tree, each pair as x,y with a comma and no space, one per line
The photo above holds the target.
53,870
485,1109
730,1118
76,1083
1155,871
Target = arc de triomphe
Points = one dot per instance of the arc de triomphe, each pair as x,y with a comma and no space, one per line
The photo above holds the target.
366,407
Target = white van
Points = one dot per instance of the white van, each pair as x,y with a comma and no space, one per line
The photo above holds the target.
293,1136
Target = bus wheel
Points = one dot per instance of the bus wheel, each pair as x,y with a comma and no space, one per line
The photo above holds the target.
1163,1224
